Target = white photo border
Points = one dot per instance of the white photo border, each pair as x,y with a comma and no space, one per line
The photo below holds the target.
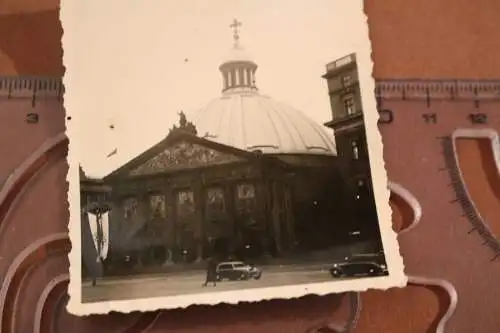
396,277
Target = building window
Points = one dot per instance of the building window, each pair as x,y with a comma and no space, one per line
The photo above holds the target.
215,200
130,208
361,189
355,150
346,80
349,106
246,197
157,206
246,191
185,203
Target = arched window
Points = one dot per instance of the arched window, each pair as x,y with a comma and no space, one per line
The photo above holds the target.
355,149
185,203
130,205
157,206
215,200
346,80
245,195
349,105
246,191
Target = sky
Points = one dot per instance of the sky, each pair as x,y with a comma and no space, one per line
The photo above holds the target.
136,64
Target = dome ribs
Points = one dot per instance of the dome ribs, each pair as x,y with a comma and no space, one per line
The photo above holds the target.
277,132
248,121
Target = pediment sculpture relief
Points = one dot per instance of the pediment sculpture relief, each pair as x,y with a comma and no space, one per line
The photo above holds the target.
184,155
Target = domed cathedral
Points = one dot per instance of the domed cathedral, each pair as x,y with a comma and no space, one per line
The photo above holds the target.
245,176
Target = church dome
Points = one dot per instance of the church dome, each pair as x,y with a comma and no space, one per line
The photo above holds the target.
254,122
245,119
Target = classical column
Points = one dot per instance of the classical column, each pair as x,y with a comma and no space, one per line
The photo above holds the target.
252,78
117,228
142,218
262,203
233,78
170,234
199,200
237,73
244,74
225,83
276,216
229,201
290,223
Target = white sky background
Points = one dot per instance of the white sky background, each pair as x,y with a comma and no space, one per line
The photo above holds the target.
126,62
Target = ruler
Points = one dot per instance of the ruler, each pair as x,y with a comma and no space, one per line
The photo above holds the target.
33,90
473,92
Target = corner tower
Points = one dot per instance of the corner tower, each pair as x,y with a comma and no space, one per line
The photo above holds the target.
347,114
350,135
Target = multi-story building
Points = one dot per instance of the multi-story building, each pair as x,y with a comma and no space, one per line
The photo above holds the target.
350,136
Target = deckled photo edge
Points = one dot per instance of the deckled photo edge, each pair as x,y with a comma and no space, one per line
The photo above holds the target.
72,177
73,197
394,260
379,173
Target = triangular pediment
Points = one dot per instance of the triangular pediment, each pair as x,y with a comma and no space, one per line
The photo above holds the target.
183,155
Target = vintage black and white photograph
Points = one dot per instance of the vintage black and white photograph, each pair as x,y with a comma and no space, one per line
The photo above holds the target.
222,151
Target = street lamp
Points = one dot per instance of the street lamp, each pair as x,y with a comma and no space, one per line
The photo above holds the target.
100,209
98,218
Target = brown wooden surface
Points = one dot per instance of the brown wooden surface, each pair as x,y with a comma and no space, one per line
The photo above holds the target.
423,39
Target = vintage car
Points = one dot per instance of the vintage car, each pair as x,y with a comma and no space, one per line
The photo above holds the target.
237,270
376,257
358,269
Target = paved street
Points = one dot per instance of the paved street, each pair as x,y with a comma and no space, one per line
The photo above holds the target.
190,283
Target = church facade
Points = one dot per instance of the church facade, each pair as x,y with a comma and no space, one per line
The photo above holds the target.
188,198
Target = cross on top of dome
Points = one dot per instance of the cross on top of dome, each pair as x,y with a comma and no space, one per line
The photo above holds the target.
236,34
238,71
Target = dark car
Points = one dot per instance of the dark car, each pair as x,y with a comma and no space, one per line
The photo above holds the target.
358,269
377,257
237,270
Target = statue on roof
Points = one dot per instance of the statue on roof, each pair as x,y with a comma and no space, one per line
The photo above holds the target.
182,119
185,126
